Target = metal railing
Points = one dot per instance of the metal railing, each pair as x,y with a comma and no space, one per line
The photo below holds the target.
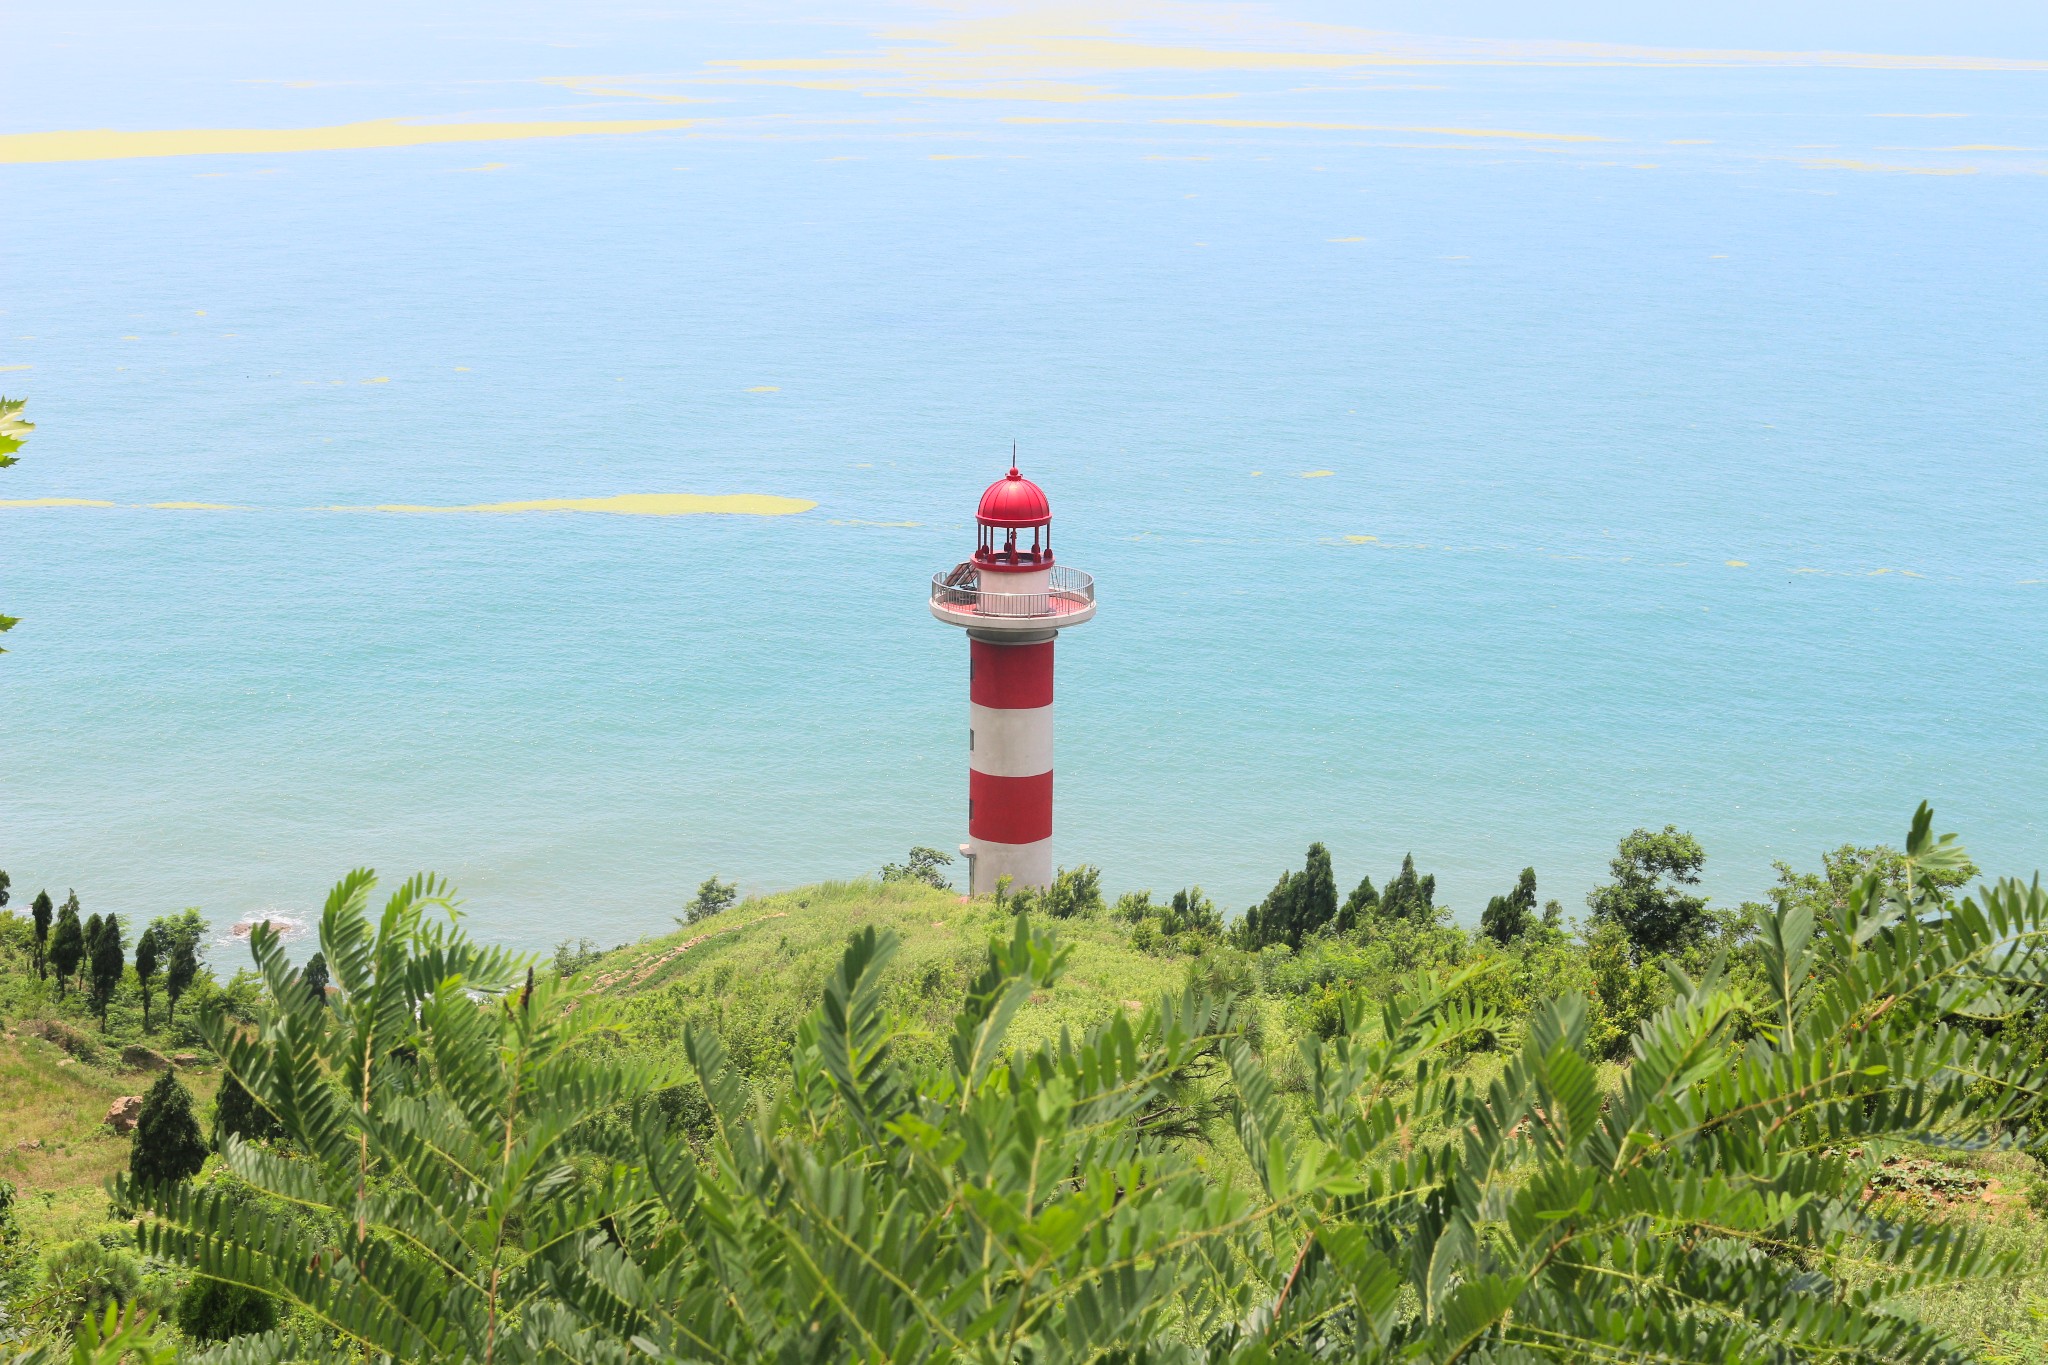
1067,591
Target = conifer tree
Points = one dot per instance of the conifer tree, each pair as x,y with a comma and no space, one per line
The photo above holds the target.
1360,908
1268,921
1316,896
1299,904
237,1113
148,958
314,974
41,912
178,973
91,935
1507,918
1410,897
168,1146
5,882
214,1310
67,943
104,965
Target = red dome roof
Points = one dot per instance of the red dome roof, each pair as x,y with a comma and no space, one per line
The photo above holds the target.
1014,501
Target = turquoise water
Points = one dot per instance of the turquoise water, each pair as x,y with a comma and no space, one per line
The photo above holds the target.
1694,473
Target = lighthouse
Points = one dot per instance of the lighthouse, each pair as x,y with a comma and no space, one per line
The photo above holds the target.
1012,600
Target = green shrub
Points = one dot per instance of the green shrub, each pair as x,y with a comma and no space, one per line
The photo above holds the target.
237,1114
714,897
168,1147
921,865
1075,892
213,1310
84,1277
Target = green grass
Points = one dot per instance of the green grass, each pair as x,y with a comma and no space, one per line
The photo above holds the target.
58,1149
754,970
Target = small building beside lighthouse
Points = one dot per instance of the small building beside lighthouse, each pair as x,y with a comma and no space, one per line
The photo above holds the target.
1012,600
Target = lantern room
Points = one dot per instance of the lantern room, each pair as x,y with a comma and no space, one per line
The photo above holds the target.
1014,523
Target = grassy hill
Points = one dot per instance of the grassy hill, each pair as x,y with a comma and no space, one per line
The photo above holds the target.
753,971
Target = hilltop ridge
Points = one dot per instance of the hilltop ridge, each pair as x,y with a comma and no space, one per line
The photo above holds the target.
754,970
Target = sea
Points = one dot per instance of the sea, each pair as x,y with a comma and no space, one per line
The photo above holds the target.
516,441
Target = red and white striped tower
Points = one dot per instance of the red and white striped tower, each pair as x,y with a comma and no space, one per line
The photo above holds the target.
1012,600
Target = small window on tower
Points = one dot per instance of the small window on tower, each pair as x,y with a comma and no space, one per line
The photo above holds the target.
970,739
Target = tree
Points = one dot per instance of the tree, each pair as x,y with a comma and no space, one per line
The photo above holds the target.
41,911
13,431
1507,918
237,1113
179,973
168,1147
1360,908
105,965
714,897
1647,897
67,943
921,865
148,959
1410,897
214,1310
1299,904
5,882
315,977
91,935
1315,902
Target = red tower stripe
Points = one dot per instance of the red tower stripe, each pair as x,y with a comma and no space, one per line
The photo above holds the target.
1011,677
1009,810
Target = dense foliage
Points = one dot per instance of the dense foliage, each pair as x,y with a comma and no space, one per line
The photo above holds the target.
167,1143
468,1173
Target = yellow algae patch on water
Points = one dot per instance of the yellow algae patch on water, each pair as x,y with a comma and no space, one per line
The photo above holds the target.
1316,474
1361,540
54,502
1344,239
627,504
1513,133
113,144
198,506
764,388
1736,563
1845,164
9,369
